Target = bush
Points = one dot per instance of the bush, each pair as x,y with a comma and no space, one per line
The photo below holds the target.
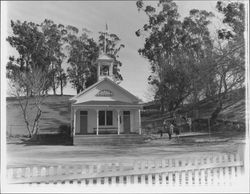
65,129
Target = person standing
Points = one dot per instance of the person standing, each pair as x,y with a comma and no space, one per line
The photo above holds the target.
164,126
170,131
189,121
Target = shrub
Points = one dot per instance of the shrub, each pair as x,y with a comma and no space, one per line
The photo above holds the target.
65,129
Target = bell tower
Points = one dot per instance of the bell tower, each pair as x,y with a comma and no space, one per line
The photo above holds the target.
104,62
104,67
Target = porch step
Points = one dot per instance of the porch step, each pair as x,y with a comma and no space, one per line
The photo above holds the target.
109,139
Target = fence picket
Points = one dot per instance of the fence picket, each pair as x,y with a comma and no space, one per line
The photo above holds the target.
135,179
43,171
183,178
238,168
196,176
10,173
143,179
232,177
113,180
19,173
226,176
209,177
128,178
202,177
177,179
190,178
51,171
170,178
157,179
35,171
163,178
27,172
150,179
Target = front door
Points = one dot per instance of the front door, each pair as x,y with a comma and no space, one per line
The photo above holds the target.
83,122
126,121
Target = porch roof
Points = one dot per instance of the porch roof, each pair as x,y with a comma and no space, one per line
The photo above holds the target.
106,103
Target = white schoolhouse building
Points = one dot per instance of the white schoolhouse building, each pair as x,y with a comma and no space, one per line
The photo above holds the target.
105,107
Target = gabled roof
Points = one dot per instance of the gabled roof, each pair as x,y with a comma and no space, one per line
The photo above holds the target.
111,82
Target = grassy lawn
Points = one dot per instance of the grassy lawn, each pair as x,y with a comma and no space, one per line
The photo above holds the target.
19,154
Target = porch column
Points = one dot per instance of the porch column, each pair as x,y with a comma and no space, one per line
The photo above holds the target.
71,120
139,112
118,122
97,122
74,129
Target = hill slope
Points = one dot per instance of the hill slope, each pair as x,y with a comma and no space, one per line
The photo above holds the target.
233,110
55,111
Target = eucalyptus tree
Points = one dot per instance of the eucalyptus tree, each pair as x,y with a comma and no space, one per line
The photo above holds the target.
83,52
55,38
229,55
175,50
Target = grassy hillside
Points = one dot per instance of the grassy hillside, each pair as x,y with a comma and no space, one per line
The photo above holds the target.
233,110
55,111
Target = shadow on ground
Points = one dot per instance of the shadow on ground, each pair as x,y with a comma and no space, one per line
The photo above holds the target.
44,139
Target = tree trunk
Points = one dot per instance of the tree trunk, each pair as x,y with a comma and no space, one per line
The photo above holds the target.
24,109
162,106
36,123
216,112
61,87
27,125
54,88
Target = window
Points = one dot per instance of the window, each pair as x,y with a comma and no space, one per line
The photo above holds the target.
101,117
109,118
106,118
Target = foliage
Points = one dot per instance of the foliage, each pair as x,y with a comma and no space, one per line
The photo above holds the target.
229,56
174,49
55,37
83,52
29,72
112,45
187,63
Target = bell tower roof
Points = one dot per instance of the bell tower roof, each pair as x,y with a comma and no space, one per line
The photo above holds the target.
104,57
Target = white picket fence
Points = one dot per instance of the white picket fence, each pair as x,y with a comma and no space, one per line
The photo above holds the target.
208,170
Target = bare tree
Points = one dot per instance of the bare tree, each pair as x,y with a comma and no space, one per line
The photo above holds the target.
21,87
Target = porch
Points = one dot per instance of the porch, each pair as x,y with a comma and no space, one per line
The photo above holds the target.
111,117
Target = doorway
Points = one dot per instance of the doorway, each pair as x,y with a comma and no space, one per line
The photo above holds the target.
126,121
83,122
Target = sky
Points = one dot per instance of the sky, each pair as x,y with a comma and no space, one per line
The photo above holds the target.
122,18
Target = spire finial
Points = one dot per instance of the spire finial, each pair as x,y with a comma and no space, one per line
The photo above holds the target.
104,49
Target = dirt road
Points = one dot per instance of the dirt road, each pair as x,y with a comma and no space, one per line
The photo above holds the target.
23,155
